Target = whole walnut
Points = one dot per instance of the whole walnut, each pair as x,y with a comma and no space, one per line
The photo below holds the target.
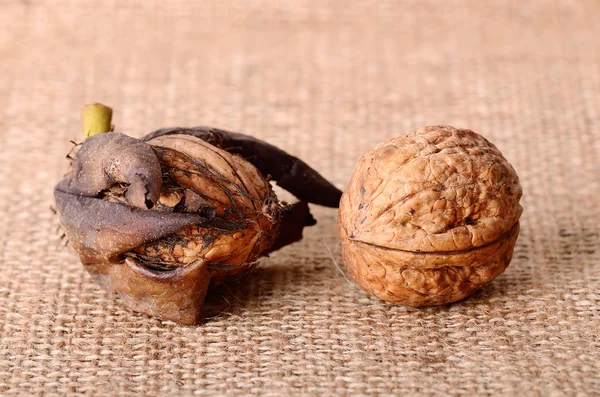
156,221
429,217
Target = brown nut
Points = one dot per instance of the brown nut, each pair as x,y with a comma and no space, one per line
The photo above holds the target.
429,217
156,221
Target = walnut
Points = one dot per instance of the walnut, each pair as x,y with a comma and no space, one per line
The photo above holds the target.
157,221
429,217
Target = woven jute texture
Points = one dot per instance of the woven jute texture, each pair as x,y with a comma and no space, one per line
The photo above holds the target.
325,81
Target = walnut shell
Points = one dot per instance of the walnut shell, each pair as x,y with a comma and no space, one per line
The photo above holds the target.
233,190
429,217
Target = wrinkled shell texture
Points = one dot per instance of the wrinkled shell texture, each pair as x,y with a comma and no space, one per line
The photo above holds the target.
430,216
227,184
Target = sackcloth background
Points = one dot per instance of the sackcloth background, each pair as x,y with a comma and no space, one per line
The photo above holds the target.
325,81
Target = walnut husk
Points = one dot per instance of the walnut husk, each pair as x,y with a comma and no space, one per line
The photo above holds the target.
429,217
157,221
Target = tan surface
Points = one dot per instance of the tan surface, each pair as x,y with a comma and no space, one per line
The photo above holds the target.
435,189
326,83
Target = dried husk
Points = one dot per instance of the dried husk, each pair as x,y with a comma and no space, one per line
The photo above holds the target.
157,220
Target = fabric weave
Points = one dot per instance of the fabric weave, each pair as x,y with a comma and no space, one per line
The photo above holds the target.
325,81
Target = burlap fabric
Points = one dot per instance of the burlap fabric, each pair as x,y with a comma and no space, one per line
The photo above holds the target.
326,81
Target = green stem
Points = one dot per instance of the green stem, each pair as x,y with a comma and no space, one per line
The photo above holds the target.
96,119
